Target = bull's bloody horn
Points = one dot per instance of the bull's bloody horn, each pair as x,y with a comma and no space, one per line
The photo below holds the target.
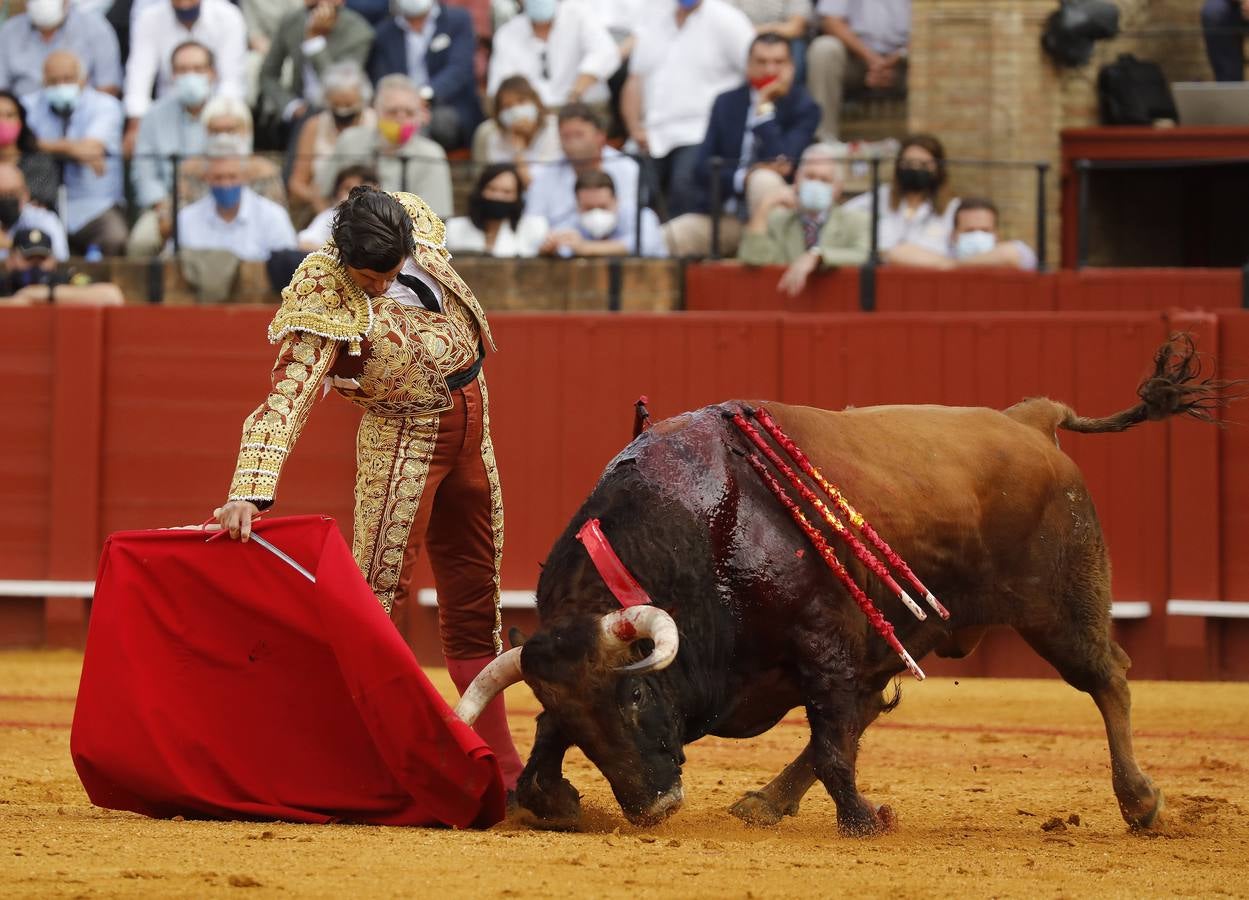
856,519
861,553
879,622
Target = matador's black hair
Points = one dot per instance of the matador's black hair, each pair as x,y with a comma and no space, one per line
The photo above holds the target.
372,230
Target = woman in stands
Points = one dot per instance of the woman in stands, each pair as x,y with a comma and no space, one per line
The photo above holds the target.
913,207
496,224
522,131
19,147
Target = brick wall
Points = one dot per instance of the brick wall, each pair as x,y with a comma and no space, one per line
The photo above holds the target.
980,81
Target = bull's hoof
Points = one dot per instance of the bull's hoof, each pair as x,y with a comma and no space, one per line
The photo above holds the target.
1149,820
554,809
758,810
872,822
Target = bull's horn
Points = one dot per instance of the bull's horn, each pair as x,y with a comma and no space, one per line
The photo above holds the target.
624,626
488,684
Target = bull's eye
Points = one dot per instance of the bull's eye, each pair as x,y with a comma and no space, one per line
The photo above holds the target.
637,695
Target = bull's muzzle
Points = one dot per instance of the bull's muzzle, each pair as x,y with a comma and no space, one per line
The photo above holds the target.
665,805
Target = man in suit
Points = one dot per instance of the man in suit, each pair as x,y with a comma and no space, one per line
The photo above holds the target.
433,44
804,228
313,39
755,135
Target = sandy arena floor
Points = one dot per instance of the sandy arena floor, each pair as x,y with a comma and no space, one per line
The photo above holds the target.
972,768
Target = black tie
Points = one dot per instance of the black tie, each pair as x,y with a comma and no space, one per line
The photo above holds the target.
422,291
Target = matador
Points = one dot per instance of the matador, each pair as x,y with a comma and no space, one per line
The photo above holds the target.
379,315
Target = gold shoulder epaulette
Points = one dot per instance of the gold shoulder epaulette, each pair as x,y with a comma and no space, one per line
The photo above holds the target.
428,229
323,300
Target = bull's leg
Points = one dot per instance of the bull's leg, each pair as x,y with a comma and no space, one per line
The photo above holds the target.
781,796
1090,661
839,710
543,795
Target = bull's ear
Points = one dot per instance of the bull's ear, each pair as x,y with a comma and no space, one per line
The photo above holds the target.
560,653
515,637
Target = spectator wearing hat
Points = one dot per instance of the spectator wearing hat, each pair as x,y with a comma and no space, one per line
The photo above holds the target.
17,212
31,276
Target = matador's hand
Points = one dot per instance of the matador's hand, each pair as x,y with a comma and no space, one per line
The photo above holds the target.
236,517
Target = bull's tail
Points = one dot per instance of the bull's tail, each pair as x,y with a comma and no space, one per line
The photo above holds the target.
1176,388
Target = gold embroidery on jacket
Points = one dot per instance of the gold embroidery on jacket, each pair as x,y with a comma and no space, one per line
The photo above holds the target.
271,430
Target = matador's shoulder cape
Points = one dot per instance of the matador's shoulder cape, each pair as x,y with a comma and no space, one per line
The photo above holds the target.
323,300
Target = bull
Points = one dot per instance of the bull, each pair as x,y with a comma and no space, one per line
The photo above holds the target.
983,504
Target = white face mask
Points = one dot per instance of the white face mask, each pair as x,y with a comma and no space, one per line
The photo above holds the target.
45,13
521,112
598,223
540,11
414,8
973,243
814,196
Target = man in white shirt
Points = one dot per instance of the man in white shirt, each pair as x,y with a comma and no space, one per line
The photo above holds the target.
563,49
49,25
160,28
863,45
552,193
232,216
687,53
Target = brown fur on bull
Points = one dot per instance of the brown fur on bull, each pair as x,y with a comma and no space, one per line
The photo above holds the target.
983,504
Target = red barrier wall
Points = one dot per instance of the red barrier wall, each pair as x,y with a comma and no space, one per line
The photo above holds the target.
130,418
731,287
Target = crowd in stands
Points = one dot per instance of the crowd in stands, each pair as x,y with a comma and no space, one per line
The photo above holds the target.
595,127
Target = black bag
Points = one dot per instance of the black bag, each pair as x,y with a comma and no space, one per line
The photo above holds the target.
1133,91
1071,30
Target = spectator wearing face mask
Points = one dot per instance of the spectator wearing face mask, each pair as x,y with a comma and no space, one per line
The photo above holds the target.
31,275
433,44
50,25
496,224
804,228
348,95
686,55
307,43
17,212
82,127
171,127
160,27
552,193
601,230
913,208
974,244
319,229
521,131
405,160
20,147
563,49
757,132
233,217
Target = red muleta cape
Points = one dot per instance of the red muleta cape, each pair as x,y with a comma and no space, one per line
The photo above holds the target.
219,682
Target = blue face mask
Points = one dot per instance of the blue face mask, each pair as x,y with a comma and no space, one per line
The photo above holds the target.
973,243
187,16
815,196
688,4
540,11
62,97
227,197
